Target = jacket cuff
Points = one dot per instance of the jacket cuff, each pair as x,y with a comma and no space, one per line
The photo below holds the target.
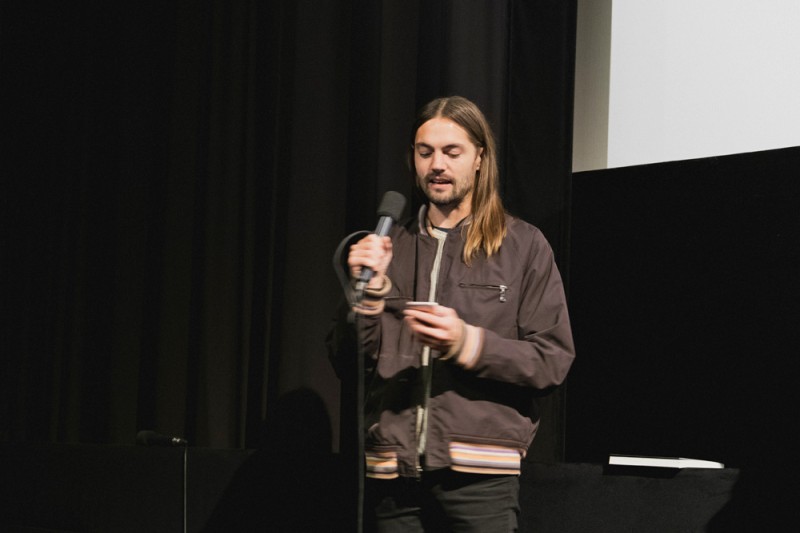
382,291
372,302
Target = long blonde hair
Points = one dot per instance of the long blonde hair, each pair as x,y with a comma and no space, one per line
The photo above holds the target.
488,226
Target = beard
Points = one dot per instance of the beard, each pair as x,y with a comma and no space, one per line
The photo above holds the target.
450,198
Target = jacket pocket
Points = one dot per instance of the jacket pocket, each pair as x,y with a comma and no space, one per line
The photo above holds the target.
501,290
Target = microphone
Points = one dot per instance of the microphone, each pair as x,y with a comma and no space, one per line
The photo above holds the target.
389,210
151,438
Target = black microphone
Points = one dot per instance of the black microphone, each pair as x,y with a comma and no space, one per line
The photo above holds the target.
151,438
389,210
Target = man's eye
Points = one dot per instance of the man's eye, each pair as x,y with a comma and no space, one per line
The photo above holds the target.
425,154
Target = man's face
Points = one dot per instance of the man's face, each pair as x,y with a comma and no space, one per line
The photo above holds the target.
446,161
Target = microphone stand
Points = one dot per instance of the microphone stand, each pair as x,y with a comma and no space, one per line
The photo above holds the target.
353,296
361,466
151,438
185,498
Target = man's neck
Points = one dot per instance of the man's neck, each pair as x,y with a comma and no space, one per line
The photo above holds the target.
448,217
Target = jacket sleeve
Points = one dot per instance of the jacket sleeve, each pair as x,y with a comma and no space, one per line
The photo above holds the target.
543,351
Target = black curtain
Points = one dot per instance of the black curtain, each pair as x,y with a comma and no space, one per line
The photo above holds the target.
179,174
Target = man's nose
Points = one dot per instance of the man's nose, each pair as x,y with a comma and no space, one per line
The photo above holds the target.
438,163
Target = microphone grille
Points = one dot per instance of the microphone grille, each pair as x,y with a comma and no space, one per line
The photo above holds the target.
392,205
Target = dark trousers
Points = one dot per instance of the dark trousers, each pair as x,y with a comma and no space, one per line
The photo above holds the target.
443,501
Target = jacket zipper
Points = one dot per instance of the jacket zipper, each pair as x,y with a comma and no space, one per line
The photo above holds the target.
501,289
427,364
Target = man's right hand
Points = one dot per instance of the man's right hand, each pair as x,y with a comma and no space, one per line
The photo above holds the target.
372,252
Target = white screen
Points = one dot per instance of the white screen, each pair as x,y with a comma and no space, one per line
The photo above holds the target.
700,78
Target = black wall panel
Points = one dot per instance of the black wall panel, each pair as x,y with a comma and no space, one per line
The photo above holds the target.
685,300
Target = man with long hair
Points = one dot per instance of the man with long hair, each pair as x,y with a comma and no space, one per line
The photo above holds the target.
462,325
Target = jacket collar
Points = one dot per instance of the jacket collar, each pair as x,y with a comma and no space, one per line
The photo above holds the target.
424,226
